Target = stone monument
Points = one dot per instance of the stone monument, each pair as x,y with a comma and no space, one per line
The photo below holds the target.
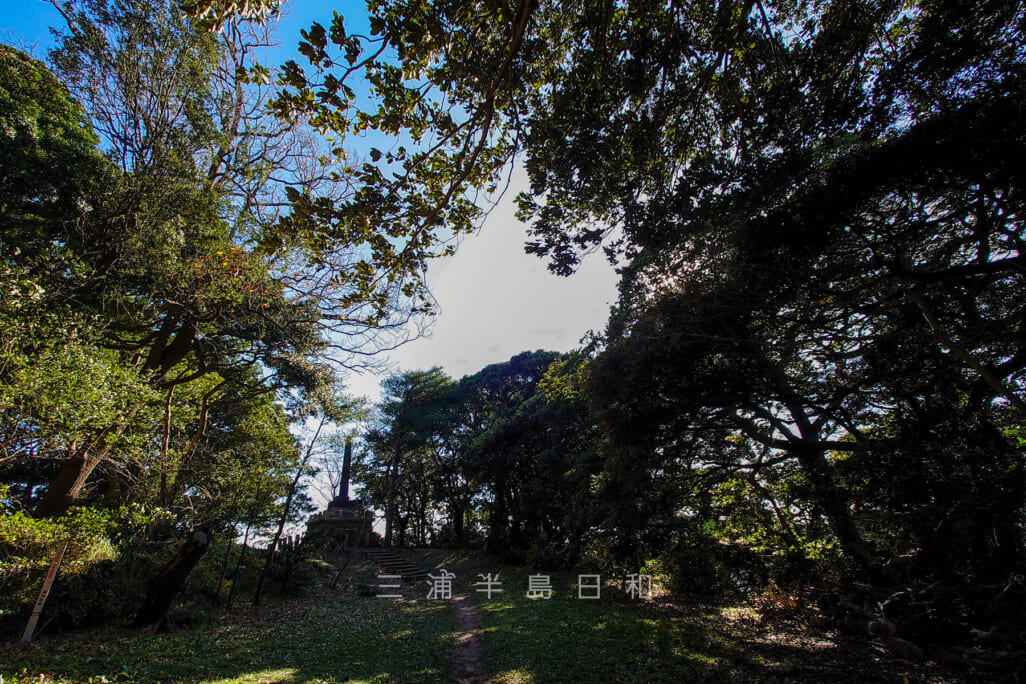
345,521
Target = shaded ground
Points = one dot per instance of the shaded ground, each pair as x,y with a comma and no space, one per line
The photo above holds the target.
350,634
345,635
693,638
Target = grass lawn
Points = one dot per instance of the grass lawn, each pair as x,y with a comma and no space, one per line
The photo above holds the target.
343,636
326,636
620,639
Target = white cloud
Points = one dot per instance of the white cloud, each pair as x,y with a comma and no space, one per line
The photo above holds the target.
495,301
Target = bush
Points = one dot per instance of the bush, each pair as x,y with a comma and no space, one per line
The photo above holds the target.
27,549
552,556
774,602
694,568
103,575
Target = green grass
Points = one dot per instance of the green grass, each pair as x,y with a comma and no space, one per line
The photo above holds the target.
620,639
568,639
343,636
325,638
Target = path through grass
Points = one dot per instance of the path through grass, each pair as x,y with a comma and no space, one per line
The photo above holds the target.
350,636
619,639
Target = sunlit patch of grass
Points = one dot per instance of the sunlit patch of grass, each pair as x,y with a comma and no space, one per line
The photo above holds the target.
328,638
740,614
518,676
284,676
342,637
702,658
494,606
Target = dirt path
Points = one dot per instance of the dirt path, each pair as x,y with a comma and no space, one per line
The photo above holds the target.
466,657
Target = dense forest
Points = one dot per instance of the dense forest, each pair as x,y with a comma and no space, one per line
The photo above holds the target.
814,375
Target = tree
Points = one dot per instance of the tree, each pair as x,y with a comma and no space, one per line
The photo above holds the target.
53,178
412,407
50,165
328,408
221,247
160,291
813,200
513,444
504,421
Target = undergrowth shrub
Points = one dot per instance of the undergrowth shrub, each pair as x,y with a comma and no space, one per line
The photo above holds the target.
552,555
103,575
775,602
694,563
110,559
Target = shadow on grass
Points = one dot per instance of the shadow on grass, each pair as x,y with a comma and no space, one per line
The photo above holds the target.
322,639
564,640
617,639
339,637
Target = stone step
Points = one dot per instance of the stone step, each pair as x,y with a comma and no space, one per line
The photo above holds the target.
395,563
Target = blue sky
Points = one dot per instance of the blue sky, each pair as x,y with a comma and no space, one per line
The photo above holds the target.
494,300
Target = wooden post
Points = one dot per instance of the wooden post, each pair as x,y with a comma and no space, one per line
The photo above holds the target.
43,594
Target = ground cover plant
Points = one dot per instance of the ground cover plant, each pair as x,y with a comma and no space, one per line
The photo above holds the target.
327,636
688,637
350,635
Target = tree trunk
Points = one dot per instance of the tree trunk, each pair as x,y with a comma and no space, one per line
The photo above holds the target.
390,497
458,527
285,513
76,469
403,524
830,499
238,569
497,526
178,485
163,358
228,549
422,515
70,480
165,448
167,583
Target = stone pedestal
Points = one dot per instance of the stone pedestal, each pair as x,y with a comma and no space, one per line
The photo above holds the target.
342,522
